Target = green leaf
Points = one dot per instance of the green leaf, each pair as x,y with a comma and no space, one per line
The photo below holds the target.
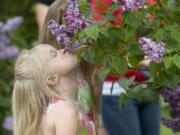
119,64
135,92
125,83
103,73
79,53
154,68
150,95
176,60
122,97
133,61
142,93
174,31
134,49
101,4
168,61
113,8
172,80
105,31
134,21
172,70
159,35
88,55
83,5
171,3
92,32
75,37
109,18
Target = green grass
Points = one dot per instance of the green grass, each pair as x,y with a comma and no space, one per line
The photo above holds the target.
167,131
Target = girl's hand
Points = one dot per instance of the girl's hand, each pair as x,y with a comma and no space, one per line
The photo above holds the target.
145,62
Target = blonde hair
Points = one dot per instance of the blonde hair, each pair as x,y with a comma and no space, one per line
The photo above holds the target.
46,37
31,94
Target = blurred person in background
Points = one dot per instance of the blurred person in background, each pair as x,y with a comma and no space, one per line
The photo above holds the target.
41,11
135,117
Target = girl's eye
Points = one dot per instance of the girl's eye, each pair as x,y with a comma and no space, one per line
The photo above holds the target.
54,53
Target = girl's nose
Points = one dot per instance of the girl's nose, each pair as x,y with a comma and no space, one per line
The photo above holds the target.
61,51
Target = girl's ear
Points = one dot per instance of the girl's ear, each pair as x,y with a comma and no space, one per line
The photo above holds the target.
52,80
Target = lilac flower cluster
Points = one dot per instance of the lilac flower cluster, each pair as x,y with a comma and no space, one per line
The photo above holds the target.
7,50
173,98
155,51
131,5
11,25
174,124
75,22
8,123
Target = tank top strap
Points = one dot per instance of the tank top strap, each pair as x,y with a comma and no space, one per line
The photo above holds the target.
53,103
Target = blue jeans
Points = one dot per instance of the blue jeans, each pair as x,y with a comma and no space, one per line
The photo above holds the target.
135,118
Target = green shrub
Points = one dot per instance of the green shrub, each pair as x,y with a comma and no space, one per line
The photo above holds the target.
22,38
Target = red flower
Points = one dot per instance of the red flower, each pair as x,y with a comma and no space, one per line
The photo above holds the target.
98,16
151,1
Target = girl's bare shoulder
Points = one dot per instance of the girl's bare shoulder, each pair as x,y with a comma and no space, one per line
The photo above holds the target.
60,110
63,113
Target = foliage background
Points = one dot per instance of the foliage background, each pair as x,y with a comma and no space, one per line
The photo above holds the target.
22,38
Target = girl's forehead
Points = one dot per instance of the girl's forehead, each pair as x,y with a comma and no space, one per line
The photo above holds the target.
44,50
48,48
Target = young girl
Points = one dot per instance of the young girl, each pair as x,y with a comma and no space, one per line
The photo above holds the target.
45,94
85,71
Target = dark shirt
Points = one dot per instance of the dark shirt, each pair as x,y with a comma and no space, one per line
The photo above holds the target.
46,2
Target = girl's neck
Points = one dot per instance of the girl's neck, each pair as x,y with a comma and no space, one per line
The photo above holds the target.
68,87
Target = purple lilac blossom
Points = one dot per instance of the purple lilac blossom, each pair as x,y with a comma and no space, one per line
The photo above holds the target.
59,31
67,41
77,44
174,124
7,51
8,123
172,97
132,5
4,40
11,25
75,22
155,51
73,16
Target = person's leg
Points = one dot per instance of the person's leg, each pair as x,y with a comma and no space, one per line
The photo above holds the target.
150,118
125,122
